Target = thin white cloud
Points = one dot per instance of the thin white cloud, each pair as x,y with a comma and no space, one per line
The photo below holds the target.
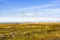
18,19
53,3
47,12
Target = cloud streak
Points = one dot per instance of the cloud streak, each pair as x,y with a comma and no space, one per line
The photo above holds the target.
15,19
48,12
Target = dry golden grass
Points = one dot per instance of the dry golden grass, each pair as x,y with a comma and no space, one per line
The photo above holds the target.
30,31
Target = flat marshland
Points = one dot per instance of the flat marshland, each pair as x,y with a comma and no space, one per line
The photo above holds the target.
30,31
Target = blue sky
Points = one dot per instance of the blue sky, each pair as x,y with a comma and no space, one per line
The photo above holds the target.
29,10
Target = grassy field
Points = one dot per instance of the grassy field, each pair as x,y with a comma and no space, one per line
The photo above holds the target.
30,31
